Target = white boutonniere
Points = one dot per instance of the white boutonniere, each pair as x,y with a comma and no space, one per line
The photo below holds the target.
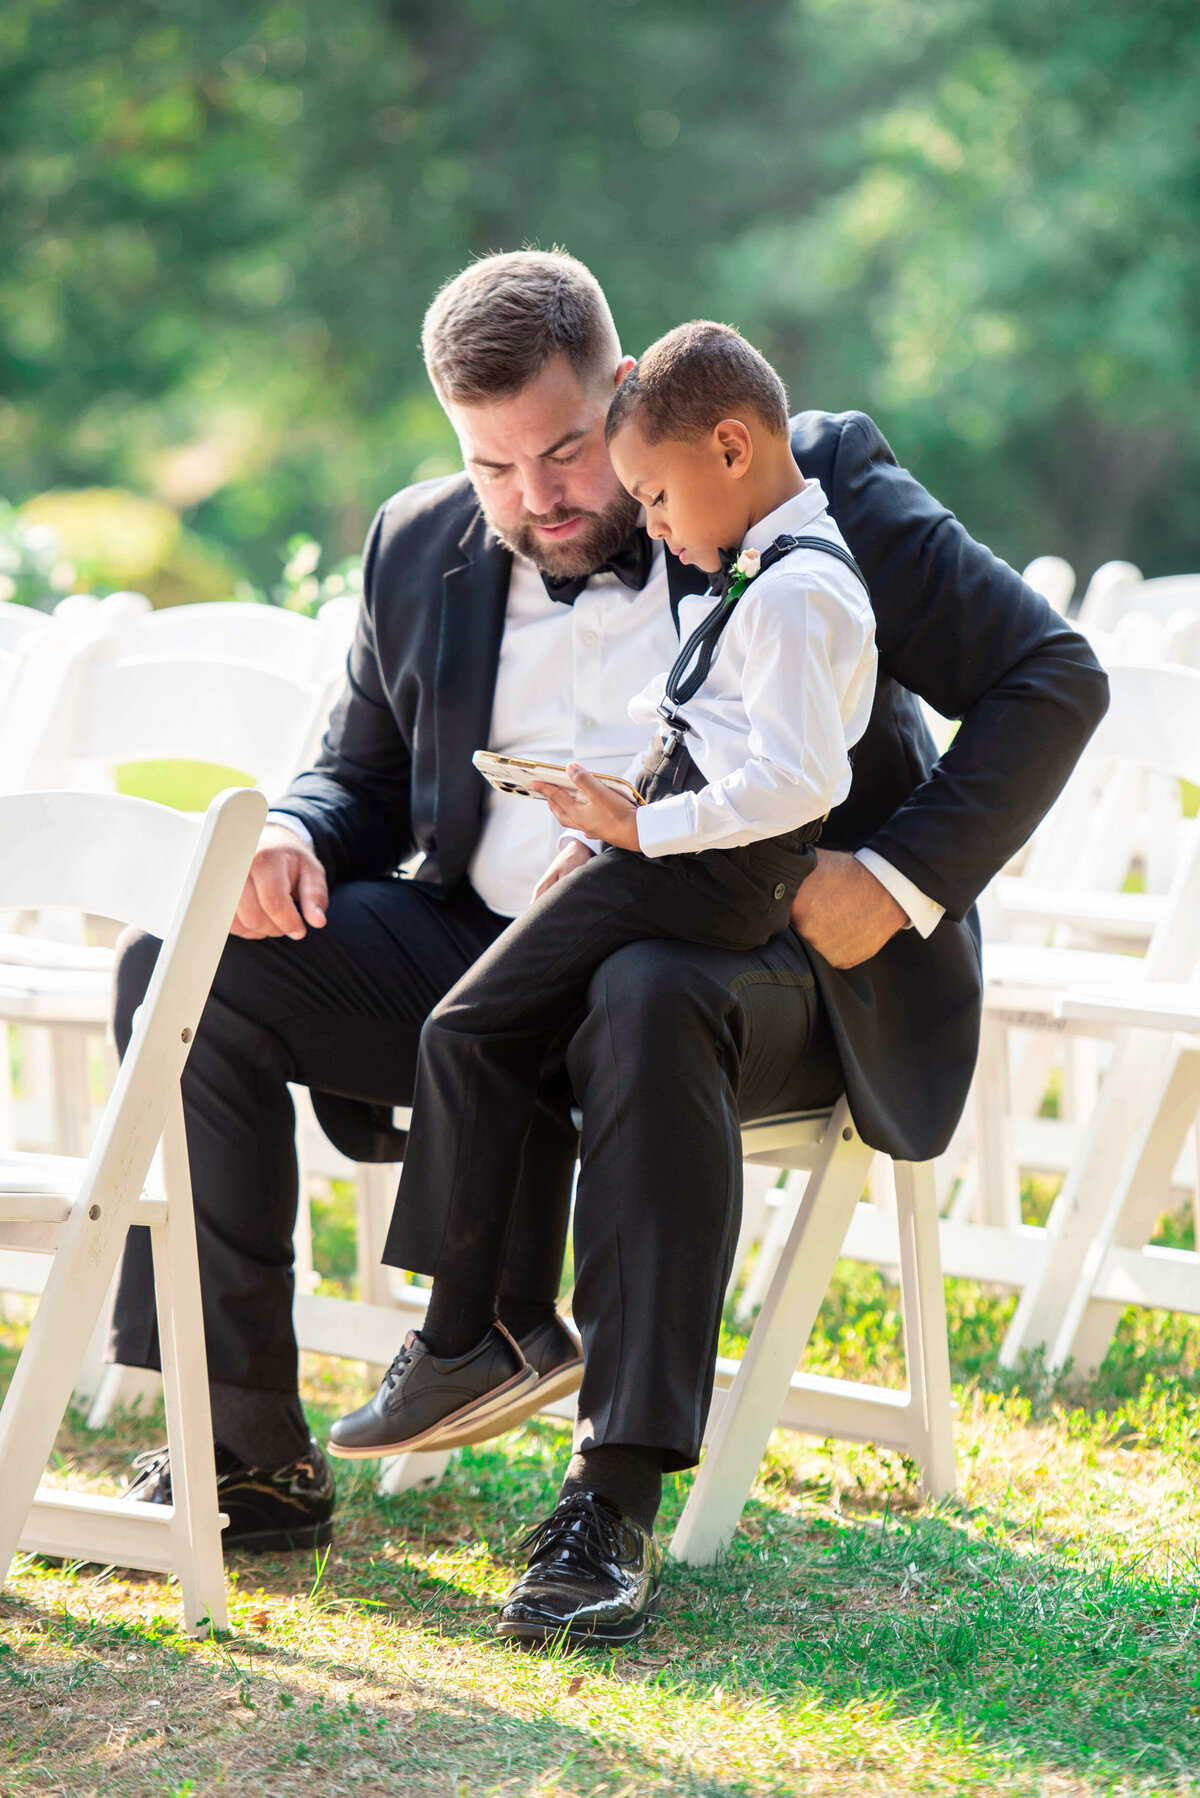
742,573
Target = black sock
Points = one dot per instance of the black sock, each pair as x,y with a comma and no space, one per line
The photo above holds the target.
630,1478
457,1320
521,1317
263,1429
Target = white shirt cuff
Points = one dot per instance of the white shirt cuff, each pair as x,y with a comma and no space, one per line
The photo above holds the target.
296,825
667,826
595,844
924,914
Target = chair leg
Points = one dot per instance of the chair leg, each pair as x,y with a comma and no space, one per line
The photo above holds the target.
750,1412
196,1530
34,1405
72,1096
926,1350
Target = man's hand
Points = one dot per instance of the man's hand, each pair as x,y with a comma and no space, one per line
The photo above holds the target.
284,875
592,808
571,855
844,912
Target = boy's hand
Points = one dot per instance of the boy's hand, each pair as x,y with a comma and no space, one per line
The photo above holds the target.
569,857
594,809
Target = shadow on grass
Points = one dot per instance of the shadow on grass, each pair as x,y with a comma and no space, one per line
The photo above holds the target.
1041,1656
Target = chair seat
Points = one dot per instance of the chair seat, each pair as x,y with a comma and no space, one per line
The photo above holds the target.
1027,978
44,952
1130,915
49,995
1160,1006
41,1189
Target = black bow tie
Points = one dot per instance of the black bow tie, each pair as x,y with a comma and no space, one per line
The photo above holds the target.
723,581
630,564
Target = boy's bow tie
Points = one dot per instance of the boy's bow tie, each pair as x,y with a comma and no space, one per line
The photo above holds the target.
630,564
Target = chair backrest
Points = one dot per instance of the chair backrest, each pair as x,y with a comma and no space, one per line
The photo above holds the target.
18,624
70,722
102,853
269,636
1153,719
1101,603
147,865
1160,598
1053,578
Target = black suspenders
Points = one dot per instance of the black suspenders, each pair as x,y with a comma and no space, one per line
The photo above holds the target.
695,659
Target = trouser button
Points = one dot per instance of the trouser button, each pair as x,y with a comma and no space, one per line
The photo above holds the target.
780,890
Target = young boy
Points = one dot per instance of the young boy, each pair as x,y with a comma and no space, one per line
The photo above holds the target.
772,687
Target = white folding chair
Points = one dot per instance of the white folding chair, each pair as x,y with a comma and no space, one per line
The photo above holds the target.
1053,578
1094,1196
765,1391
180,878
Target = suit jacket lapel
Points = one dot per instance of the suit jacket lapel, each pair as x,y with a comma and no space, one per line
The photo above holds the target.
474,598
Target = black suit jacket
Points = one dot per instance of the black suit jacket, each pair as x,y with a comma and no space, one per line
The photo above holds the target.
954,626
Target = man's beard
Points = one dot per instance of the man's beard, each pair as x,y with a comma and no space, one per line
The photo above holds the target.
602,536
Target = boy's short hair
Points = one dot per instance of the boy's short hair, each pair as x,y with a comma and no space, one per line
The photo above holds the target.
494,327
694,377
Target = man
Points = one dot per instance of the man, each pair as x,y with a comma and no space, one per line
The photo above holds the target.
517,607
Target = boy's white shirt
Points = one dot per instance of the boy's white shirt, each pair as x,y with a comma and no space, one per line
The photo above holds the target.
788,694
575,663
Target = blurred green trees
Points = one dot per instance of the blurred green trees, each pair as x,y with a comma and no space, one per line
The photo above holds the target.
220,224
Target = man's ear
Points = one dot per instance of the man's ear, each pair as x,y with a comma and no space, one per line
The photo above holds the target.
736,446
624,367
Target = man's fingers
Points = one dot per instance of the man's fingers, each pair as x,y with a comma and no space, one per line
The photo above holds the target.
312,890
273,884
250,919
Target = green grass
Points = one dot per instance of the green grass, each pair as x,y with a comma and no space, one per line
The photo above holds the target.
1037,1635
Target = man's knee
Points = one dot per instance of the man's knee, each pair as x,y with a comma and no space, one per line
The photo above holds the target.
656,993
136,954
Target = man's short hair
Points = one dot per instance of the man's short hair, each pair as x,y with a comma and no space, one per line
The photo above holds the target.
494,327
694,377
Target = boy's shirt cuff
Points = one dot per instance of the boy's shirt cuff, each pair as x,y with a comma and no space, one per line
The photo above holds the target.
666,827
924,914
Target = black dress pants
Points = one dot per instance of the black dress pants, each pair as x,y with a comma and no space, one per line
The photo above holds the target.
676,1042
340,1011
556,991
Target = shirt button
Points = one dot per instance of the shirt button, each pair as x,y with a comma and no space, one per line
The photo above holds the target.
589,638
587,724
780,890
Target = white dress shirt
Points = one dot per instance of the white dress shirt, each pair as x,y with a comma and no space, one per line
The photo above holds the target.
788,693
562,691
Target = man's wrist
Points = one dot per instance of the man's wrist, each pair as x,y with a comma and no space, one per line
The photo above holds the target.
289,821
921,912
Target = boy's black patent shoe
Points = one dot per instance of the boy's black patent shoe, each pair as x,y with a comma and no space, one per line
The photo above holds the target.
592,1579
269,1512
556,1355
421,1394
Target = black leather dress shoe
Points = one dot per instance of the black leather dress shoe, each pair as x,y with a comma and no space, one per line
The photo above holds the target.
420,1394
554,1352
269,1513
592,1578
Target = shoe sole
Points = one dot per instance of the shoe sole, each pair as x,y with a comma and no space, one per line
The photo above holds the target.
469,1415
551,1386
264,1542
533,1635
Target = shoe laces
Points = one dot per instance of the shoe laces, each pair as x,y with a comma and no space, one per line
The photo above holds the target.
582,1529
400,1364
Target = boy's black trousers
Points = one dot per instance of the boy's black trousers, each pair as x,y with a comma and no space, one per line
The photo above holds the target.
674,1044
507,1028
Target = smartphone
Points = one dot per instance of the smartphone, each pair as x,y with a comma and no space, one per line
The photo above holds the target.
513,773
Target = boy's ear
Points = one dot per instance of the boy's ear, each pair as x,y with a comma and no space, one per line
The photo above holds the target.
735,445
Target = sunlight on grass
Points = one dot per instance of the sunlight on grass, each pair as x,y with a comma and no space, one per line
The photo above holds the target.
1035,1636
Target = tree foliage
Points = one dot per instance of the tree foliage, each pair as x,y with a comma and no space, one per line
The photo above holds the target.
220,225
